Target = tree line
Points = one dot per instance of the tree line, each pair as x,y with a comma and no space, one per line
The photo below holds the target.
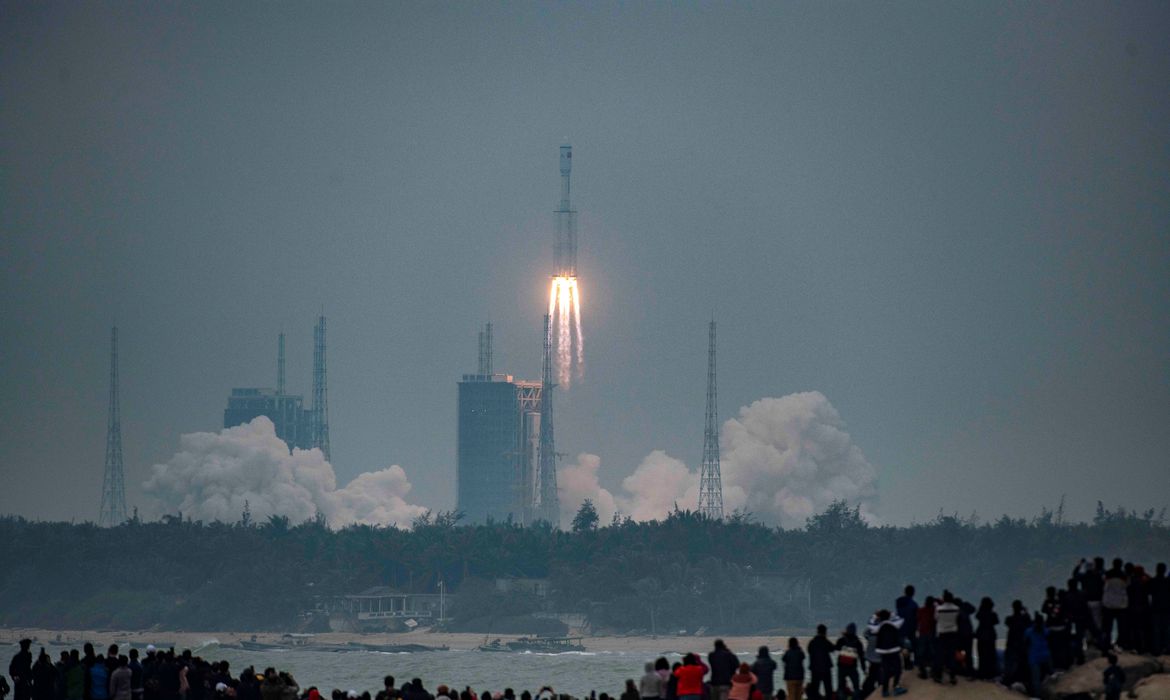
684,572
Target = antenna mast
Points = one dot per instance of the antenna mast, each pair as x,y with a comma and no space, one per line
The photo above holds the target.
113,509
710,479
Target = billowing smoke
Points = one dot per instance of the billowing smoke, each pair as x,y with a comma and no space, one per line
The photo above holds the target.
214,474
788,458
577,483
783,459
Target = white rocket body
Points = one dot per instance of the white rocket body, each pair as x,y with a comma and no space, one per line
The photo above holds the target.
565,245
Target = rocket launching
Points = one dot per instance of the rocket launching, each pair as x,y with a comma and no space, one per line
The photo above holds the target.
565,250
564,301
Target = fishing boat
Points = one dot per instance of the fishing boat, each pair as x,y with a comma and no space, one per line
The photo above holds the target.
540,645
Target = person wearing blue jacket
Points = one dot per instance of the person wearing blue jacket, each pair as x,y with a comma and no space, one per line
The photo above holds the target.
1039,653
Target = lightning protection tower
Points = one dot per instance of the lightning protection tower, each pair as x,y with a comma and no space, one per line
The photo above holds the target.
710,480
113,509
485,350
549,507
320,409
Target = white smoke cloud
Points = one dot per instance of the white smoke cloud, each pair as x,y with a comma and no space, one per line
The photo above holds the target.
213,474
783,459
577,483
788,458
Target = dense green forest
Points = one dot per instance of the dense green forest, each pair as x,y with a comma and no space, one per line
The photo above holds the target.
684,572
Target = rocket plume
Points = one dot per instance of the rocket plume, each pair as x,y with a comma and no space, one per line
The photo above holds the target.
564,308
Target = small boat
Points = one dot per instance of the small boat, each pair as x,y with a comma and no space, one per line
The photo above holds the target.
397,648
540,645
260,646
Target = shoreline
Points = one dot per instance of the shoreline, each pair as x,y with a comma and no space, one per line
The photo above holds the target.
455,641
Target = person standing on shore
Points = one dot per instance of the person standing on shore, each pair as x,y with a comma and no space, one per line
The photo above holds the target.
74,677
650,685
1160,610
985,639
907,609
793,661
723,664
121,680
44,675
1039,654
20,671
820,662
850,655
742,683
925,655
1114,678
690,677
1114,601
765,670
946,620
1016,648
888,640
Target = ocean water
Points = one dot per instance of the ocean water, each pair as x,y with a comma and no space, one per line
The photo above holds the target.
575,673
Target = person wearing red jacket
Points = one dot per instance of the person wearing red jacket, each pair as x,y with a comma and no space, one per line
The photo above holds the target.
690,677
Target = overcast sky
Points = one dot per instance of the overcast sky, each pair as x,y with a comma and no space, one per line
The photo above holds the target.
952,219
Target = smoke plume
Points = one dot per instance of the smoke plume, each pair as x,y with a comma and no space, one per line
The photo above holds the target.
214,474
783,459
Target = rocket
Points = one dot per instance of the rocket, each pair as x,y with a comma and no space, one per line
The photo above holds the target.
565,245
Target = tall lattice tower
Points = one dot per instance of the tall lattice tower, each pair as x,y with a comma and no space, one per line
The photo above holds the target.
549,507
710,480
113,510
320,390
485,351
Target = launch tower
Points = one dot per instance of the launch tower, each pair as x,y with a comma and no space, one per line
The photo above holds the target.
549,507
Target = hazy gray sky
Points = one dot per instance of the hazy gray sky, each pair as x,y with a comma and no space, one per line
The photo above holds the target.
950,218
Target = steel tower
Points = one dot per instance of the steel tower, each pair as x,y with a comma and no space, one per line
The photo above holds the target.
710,480
320,392
485,350
113,509
549,507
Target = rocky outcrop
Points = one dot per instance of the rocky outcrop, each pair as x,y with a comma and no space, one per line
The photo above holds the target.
1086,680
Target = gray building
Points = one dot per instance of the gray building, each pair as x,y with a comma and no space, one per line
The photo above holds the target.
286,411
497,452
